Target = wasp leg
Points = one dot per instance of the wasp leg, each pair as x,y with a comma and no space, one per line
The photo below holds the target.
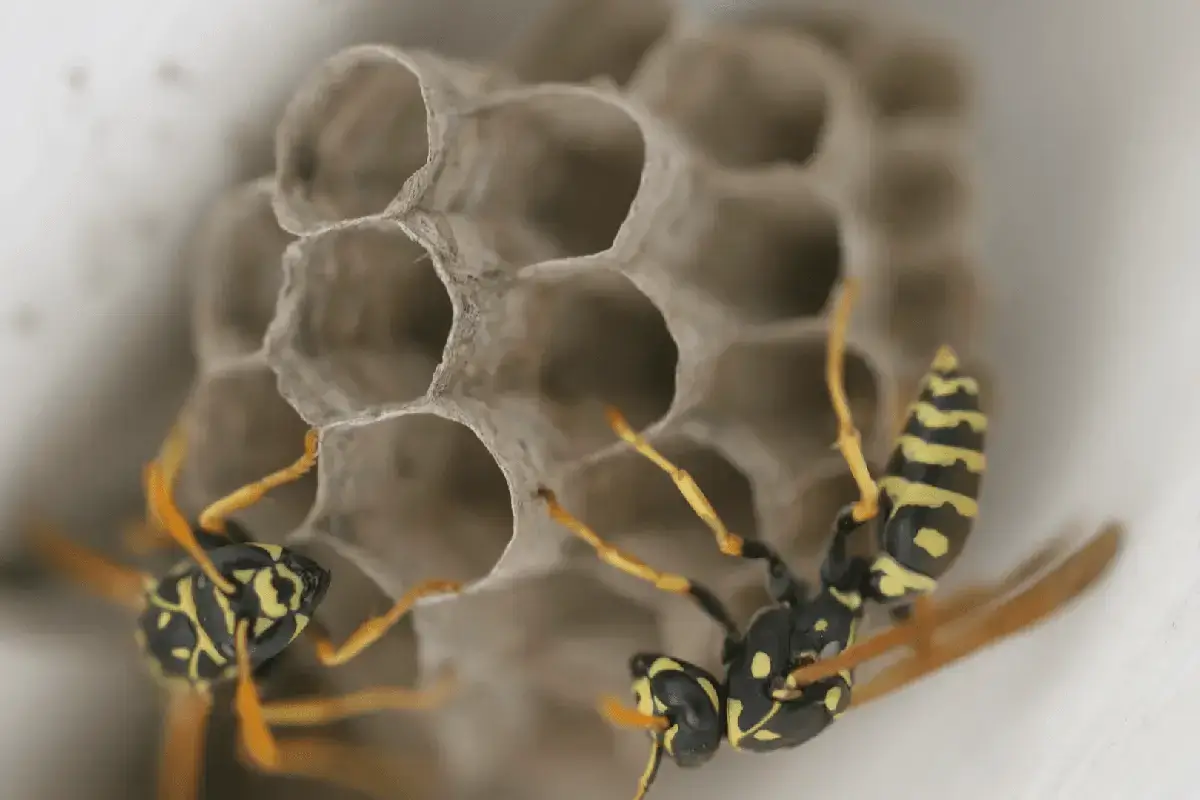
373,629
149,534
183,744
783,585
849,440
729,543
920,630
212,519
102,577
631,565
622,716
355,768
164,509
311,712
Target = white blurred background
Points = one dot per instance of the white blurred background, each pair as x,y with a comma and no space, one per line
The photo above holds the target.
123,119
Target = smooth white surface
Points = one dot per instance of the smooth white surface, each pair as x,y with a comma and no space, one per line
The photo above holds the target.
1091,186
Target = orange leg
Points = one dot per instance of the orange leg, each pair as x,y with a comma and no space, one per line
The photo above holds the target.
315,711
849,440
163,508
102,577
373,629
212,519
183,745
359,769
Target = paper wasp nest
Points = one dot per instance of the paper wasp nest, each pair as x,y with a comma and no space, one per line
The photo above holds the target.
475,260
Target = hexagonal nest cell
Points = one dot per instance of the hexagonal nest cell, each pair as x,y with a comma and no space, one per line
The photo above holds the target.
541,147
236,273
775,391
482,266
358,133
787,248
740,97
414,496
591,339
373,316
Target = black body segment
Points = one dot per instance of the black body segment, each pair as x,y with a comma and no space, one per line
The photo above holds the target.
188,626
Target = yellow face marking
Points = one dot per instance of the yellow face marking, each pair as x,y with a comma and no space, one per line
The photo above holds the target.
821,626
669,739
182,653
760,665
942,387
764,735
931,416
941,455
273,550
896,580
664,665
268,598
301,624
932,541
711,691
298,591
904,493
262,625
244,575
851,600
833,697
164,619
642,697
945,360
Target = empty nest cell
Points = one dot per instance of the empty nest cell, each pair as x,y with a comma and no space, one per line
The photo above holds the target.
775,390
372,315
240,429
747,98
591,339
237,274
770,258
915,77
417,496
353,137
918,189
934,301
566,160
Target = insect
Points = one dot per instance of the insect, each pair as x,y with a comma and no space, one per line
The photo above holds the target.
790,673
224,613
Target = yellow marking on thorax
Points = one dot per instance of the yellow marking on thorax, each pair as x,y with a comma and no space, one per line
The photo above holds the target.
821,626
932,541
182,653
896,580
164,619
226,612
764,735
851,600
268,598
833,698
906,493
760,665
273,550
244,575
204,643
941,455
262,625
298,590
931,416
733,715
943,387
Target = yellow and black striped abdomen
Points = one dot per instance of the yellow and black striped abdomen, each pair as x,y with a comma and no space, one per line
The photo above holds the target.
932,481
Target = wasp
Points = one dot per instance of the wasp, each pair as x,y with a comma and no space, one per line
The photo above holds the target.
790,674
224,613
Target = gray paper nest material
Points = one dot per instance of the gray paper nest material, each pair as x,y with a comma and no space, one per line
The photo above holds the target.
472,266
